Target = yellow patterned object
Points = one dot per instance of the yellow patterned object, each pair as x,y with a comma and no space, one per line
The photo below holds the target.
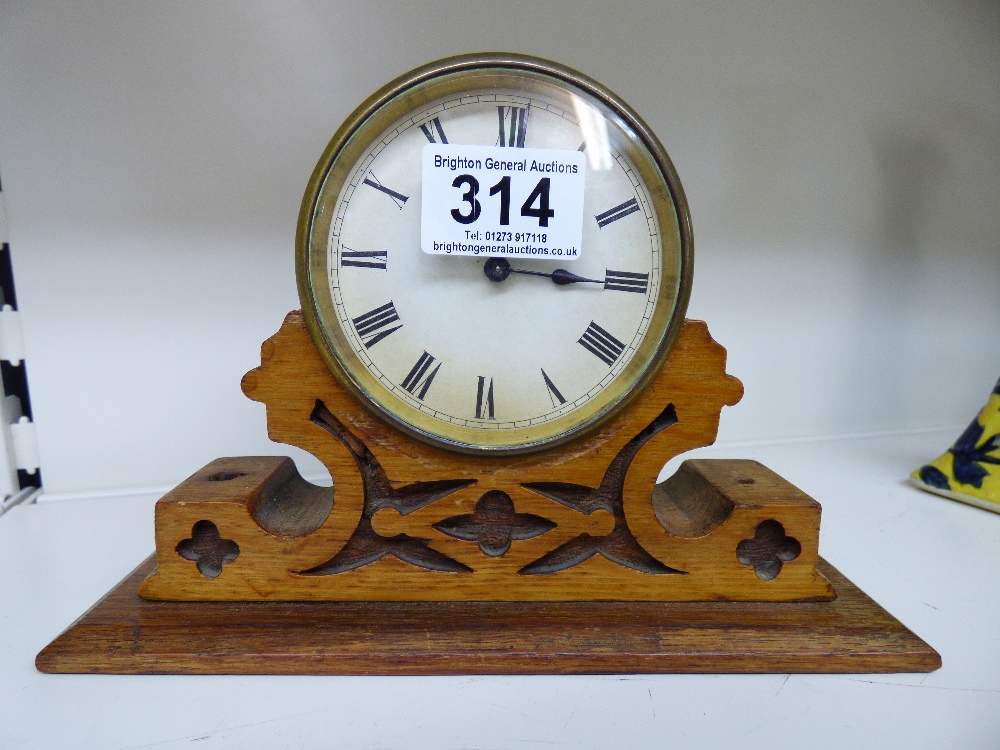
970,471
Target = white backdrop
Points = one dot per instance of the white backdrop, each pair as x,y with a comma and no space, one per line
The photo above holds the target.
842,162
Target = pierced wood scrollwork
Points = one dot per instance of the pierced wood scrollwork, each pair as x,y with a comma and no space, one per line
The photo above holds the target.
584,521
620,546
365,546
494,524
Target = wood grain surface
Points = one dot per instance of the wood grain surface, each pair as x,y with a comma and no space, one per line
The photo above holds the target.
125,634
409,522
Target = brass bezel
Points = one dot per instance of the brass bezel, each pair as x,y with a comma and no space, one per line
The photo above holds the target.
390,104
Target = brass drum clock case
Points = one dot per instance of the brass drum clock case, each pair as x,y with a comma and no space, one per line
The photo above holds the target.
410,107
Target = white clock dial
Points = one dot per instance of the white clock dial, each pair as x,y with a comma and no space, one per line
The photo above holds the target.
481,352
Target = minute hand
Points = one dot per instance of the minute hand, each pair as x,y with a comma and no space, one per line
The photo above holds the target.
560,276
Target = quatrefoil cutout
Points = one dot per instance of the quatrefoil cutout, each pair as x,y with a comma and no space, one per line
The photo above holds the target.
494,524
207,549
768,549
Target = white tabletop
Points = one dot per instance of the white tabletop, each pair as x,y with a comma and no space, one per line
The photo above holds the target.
933,563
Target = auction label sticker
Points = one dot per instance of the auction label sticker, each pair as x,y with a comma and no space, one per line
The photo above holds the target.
496,201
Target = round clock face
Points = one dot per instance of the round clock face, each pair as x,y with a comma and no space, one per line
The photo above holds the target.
496,343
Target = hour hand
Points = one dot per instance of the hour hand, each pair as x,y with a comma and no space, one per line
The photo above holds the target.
498,269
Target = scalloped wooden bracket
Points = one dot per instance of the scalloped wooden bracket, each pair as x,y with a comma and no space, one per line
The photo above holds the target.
405,521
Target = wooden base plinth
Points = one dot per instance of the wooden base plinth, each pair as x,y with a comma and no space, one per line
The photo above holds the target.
124,634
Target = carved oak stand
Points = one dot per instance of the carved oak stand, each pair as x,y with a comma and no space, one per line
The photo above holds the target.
420,561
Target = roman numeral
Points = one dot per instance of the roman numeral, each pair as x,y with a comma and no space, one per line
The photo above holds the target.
554,394
512,135
602,344
419,378
484,400
625,281
365,259
373,326
398,198
618,212
430,127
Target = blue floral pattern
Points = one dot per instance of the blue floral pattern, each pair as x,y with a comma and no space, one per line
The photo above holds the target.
964,472
969,456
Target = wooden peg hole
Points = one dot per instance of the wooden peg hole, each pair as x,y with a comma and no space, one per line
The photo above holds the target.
225,476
